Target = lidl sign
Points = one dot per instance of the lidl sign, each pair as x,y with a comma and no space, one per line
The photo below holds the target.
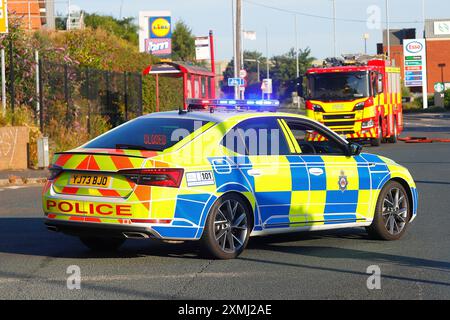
160,27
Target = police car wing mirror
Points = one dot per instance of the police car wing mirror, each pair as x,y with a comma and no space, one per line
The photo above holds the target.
354,149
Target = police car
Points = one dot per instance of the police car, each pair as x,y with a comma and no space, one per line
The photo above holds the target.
219,178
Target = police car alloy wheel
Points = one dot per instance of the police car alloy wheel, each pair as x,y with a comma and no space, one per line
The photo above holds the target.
392,213
102,244
227,228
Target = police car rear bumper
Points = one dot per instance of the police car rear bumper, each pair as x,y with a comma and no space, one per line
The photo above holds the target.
101,230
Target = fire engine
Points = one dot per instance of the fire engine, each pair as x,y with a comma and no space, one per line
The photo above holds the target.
358,97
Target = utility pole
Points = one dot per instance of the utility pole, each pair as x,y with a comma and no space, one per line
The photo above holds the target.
296,47
334,29
423,18
238,39
297,62
233,27
388,32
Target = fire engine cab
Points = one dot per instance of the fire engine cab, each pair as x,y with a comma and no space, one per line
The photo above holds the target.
359,98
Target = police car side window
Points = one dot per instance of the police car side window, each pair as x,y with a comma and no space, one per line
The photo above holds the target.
307,138
258,136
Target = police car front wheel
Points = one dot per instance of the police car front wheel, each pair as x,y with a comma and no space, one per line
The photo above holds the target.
227,228
392,213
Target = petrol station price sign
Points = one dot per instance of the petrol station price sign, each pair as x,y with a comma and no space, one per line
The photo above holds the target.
415,62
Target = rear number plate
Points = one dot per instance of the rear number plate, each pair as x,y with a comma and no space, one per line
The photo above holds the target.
90,180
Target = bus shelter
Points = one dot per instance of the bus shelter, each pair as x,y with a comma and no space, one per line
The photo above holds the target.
198,82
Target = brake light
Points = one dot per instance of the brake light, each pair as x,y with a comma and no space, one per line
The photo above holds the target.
309,105
159,177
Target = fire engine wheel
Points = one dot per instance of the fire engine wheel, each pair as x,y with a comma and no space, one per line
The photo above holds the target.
102,244
376,142
394,137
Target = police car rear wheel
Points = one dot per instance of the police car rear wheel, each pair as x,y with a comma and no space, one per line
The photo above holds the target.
392,213
227,228
102,244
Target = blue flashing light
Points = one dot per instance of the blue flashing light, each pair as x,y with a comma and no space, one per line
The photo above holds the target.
250,104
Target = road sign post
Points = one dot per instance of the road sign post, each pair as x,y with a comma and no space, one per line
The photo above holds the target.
235,82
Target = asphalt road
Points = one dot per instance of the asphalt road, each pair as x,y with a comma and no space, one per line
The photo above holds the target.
325,265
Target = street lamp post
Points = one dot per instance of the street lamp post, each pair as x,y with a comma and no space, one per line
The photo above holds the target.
334,29
366,37
257,66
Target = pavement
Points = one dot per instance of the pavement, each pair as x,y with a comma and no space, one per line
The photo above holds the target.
20,177
321,265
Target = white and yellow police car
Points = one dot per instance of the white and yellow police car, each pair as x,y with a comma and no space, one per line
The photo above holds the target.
221,177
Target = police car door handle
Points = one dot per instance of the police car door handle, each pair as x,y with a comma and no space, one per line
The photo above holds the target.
254,172
316,171
372,164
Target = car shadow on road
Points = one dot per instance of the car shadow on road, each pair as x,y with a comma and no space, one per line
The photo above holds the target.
29,236
293,244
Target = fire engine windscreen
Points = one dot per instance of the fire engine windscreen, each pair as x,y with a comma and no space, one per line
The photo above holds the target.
338,86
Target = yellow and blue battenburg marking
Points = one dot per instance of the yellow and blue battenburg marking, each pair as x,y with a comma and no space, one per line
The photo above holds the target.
298,190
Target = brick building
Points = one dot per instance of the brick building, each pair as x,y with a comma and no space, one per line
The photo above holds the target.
437,35
35,14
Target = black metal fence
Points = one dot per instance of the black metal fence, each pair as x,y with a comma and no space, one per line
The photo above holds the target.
86,97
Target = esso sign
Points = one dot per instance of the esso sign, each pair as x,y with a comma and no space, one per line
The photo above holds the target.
414,47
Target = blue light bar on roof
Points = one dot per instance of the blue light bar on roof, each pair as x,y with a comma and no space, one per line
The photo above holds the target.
250,104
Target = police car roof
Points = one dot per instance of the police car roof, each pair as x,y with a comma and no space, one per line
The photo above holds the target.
217,116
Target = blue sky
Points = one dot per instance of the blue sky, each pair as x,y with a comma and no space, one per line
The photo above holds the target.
313,32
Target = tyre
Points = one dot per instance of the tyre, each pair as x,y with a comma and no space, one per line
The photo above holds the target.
392,213
394,137
376,142
227,228
102,244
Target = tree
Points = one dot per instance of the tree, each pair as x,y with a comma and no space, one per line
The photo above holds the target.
284,71
123,28
183,42
251,59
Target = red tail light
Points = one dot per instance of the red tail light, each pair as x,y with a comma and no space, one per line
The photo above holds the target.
309,105
160,177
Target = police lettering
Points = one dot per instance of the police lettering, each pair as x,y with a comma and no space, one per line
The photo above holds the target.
91,208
